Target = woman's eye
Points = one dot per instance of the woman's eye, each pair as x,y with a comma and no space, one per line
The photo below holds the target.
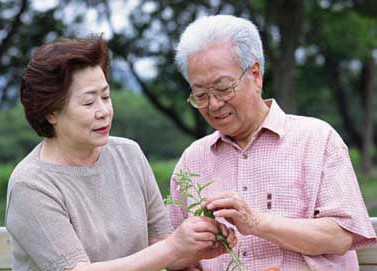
88,103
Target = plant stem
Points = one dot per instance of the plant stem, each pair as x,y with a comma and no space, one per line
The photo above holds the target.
230,251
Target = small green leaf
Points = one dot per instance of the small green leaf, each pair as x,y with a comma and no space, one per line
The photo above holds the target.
187,195
168,200
208,213
202,187
199,212
192,206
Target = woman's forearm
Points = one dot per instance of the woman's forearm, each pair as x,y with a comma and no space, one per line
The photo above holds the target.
154,257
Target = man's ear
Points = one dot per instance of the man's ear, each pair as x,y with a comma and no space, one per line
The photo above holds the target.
256,74
51,118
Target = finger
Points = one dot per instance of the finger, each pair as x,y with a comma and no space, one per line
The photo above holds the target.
232,239
205,227
204,236
221,195
223,230
228,203
231,215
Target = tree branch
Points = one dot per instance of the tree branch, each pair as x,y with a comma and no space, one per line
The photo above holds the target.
6,42
166,110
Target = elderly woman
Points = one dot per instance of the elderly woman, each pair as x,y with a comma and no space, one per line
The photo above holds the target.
82,200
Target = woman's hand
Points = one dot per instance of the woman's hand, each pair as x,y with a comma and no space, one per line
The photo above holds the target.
193,235
195,239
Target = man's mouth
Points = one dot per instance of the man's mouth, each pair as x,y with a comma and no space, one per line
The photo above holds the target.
222,116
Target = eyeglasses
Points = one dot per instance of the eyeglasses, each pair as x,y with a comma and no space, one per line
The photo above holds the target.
199,98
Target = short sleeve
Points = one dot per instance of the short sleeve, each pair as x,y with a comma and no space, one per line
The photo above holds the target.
158,219
339,195
177,215
37,221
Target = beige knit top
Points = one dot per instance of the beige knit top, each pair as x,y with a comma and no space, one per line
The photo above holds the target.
58,215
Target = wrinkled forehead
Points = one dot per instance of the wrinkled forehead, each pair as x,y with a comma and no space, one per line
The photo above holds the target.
213,64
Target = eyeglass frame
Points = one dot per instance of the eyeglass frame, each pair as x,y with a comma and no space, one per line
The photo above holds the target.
191,98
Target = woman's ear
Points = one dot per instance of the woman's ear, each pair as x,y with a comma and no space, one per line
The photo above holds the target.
51,118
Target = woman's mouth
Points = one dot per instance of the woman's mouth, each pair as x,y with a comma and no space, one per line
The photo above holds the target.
102,130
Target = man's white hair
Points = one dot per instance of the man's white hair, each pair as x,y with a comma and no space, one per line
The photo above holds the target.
242,33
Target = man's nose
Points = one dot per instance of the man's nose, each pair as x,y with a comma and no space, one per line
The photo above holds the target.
214,103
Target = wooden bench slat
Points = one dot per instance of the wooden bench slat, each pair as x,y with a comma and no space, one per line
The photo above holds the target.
368,256
4,249
368,268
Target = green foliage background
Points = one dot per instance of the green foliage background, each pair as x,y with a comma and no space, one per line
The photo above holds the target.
134,118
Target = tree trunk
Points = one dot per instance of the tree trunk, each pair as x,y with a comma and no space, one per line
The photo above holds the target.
367,84
334,81
288,19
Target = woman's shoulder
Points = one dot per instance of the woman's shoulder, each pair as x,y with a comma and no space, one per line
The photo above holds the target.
115,141
123,144
28,166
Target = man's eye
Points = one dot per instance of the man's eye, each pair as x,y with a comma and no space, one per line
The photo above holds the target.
223,89
200,95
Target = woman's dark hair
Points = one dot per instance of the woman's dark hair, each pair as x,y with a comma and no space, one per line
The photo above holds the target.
48,76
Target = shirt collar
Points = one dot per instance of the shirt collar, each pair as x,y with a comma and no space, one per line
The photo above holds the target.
275,119
274,122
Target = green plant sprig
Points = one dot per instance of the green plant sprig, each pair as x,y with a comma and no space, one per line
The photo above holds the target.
189,190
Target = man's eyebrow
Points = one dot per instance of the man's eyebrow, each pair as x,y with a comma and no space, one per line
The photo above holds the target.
218,80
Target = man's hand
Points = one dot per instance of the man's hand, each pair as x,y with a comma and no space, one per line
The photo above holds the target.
236,211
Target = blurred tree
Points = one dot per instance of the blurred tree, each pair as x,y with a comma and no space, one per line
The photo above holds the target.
345,39
22,29
318,52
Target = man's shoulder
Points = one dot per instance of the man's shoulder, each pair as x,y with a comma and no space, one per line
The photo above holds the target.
315,130
308,124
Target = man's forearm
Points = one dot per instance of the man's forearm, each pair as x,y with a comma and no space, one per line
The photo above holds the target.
306,236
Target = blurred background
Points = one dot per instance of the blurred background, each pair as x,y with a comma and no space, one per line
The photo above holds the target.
321,61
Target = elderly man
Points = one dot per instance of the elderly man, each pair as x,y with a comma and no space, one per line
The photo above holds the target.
285,182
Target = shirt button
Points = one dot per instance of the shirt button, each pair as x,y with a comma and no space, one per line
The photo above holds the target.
244,156
244,188
244,253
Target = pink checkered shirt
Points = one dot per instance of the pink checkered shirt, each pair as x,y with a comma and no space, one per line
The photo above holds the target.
304,164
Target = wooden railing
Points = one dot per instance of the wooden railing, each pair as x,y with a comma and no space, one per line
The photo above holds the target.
367,257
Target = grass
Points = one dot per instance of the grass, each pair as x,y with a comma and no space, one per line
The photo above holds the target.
163,171
368,189
2,210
